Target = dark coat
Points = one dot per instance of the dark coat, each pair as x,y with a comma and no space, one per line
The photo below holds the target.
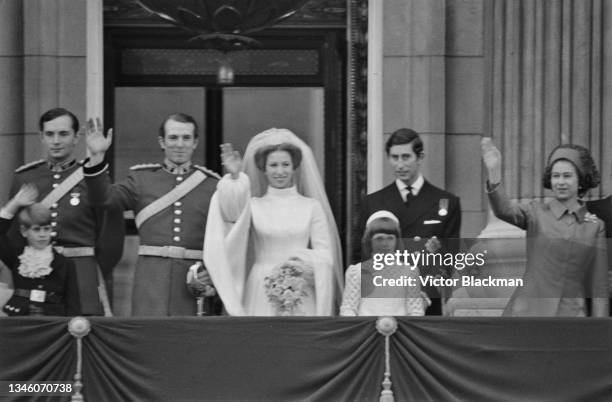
60,286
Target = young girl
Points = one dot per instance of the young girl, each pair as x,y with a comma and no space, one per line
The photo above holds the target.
45,281
382,236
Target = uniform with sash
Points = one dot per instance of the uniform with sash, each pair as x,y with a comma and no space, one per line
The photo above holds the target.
171,206
91,238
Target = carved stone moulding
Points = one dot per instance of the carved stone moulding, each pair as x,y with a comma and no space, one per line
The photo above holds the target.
307,13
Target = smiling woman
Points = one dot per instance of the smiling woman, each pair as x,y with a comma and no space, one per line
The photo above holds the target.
280,214
566,247
278,162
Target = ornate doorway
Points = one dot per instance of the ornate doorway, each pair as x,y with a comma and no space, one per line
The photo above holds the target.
308,75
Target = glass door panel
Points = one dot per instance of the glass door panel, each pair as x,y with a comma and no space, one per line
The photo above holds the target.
248,111
139,112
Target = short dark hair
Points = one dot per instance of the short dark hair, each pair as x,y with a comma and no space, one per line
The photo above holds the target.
35,214
588,176
405,136
181,118
379,225
54,113
261,155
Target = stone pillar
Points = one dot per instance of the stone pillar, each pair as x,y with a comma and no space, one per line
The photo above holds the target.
375,95
11,92
55,71
95,59
549,81
414,79
11,108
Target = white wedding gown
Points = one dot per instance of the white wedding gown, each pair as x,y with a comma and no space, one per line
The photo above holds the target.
282,224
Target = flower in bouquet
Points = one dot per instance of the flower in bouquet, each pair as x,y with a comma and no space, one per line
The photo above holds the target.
286,286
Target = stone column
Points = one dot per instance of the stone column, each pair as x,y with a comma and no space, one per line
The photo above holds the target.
549,81
414,79
433,83
55,73
11,92
375,95
95,59
11,108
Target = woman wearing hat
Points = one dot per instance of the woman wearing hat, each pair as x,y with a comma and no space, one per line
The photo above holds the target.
375,297
566,246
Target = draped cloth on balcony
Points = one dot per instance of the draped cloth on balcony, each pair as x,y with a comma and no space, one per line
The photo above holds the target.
278,358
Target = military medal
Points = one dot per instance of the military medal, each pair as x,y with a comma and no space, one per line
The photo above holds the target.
443,207
75,199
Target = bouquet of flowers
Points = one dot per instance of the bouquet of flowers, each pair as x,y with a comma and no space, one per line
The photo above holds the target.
286,286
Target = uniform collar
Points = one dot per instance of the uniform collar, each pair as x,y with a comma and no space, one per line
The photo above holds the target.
173,168
558,210
60,166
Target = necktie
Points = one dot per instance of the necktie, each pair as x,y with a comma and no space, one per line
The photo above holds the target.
409,195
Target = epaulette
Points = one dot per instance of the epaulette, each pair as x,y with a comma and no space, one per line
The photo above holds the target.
30,165
208,171
146,166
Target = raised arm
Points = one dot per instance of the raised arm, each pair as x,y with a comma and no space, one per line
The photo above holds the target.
97,142
502,206
102,193
27,195
233,189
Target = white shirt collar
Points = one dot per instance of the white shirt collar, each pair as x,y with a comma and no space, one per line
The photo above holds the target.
416,186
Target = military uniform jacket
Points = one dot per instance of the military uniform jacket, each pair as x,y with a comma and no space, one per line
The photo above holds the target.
60,285
73,225
76,223
182,224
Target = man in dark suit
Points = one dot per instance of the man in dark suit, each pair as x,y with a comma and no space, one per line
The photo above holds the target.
430,218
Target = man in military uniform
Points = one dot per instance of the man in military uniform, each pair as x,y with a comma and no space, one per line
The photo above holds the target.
430,218
170,201
92,238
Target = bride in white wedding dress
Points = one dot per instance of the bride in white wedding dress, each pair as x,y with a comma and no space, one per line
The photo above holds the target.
272,211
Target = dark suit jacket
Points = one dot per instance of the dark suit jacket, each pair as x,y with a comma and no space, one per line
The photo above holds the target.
603,209
60,285
423,207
